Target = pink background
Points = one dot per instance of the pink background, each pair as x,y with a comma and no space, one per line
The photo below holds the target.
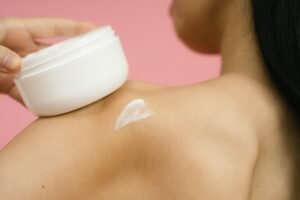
154,52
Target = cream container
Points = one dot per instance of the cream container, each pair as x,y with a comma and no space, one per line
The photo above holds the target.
72,74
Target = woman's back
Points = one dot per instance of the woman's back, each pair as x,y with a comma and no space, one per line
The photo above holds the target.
240,139
228,138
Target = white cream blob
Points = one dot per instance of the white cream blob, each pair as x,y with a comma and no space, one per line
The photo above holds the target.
136,110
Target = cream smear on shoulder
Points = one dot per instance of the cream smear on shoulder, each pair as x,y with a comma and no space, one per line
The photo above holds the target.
135,111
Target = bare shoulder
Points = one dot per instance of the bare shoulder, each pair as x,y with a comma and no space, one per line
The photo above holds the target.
77,155
199,134
194,144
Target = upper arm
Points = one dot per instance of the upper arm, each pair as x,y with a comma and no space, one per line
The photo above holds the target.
71,156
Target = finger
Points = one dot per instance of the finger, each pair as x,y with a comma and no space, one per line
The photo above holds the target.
14,93
52,27
42,44
9,61
6,82
40,47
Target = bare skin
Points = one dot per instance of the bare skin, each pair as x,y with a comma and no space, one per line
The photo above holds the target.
192,148
229,138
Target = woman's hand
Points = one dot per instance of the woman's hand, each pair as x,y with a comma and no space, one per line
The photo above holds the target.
18,37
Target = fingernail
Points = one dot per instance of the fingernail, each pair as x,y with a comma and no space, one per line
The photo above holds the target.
87,26
11,62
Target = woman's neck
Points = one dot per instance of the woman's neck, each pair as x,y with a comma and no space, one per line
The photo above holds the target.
239,49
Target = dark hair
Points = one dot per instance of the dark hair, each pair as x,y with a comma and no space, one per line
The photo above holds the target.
277,26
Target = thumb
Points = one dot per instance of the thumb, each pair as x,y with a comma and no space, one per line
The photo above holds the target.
9,61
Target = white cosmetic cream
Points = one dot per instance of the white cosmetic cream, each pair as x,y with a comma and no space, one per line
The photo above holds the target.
134,111
72,74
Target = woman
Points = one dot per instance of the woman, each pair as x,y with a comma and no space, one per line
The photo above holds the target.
233,137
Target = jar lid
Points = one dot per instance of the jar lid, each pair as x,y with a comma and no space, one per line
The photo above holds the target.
102,34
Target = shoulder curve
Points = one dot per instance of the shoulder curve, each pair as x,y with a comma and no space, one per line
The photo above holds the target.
203,113
186,131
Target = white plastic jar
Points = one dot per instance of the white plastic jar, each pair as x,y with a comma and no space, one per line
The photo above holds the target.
72,74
